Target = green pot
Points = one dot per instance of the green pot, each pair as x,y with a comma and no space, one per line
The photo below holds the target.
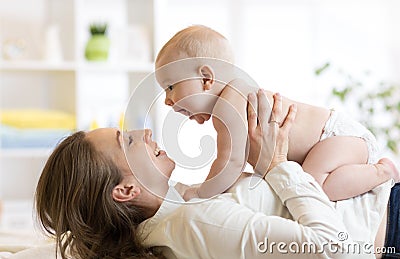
97,48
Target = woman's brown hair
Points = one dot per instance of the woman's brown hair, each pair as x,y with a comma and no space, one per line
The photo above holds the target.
74,204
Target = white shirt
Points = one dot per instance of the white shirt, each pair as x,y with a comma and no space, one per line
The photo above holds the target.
248,223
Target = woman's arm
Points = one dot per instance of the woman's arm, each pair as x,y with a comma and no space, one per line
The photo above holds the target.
223,228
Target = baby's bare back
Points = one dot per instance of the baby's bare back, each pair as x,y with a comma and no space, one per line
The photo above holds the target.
308,125
307,128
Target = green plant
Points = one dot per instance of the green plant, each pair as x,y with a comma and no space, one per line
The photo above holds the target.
98,45
98,29
377,107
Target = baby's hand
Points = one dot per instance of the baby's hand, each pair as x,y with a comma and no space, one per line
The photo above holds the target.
191,193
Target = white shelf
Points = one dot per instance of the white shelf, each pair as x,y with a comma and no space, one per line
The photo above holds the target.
24,152
36,66
138,67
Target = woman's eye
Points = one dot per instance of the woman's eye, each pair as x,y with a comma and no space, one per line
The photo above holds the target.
130,140
170,87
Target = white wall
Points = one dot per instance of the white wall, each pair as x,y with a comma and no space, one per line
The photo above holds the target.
284,42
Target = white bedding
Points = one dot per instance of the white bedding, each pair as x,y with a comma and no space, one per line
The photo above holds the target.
42,252
17,231
14,241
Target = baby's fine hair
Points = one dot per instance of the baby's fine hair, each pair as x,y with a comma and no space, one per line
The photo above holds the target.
199,41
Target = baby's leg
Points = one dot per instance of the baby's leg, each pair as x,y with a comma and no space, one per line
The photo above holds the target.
351,180
339,164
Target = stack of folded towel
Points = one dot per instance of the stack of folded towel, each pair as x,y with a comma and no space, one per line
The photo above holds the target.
32,128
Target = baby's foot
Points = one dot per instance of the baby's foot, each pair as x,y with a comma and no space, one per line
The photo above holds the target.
389,168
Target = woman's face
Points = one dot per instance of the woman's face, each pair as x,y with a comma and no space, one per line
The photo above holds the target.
135,151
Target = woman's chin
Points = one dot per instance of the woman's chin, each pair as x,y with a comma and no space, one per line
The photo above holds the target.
170,169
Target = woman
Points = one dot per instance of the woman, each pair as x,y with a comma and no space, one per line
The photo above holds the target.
88,198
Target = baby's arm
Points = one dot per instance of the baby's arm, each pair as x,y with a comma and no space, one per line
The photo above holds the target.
229,119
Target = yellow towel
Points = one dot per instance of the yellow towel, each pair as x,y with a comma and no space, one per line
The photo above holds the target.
37,119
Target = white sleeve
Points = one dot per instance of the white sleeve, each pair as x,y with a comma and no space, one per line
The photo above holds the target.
224,229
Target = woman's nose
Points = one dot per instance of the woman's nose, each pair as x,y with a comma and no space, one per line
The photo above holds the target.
147,135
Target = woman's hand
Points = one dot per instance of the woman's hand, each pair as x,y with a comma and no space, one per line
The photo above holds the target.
269,138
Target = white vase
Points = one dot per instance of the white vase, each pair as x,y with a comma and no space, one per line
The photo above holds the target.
52,51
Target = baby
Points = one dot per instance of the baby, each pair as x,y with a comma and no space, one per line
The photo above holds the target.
195,69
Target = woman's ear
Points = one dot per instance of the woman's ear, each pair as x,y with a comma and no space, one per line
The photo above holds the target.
124,193
208,76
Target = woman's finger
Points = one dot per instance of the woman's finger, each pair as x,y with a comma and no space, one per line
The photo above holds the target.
264,109
287,123
251,113
277,110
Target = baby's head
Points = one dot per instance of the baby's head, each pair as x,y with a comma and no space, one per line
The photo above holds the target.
195,41
190,86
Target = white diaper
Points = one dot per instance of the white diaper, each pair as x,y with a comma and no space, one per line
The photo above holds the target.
339,124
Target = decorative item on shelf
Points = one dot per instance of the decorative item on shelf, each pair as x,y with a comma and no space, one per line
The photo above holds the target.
98,46
14,49
138,44
121,122
52,51
94,125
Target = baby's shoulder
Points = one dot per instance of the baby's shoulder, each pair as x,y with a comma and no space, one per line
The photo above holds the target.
240,85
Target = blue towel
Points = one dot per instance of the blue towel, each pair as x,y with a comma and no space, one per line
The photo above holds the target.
11,137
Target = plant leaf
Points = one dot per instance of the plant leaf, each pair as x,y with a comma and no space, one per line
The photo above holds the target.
321,69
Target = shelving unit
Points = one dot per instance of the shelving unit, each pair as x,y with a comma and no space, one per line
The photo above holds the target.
37,78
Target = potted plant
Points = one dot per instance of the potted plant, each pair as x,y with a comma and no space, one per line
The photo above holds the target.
98,46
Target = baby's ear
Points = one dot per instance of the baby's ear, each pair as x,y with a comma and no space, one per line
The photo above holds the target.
208,76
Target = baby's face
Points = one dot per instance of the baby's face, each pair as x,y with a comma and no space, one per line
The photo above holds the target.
189,98
184,89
